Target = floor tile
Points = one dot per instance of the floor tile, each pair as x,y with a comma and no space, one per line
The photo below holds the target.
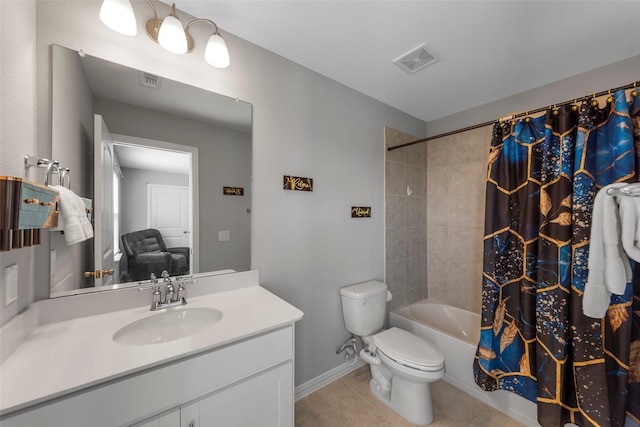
348,402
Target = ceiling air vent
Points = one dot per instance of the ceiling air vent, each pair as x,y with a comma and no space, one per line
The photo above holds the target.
149,80
415,60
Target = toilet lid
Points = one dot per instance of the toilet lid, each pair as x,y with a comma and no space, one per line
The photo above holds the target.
408,349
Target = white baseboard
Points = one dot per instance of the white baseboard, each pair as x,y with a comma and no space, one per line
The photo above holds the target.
321,380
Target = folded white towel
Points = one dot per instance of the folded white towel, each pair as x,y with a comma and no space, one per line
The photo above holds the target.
629,208
609,268
73,217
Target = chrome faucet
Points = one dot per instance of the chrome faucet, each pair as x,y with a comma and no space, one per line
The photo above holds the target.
171,296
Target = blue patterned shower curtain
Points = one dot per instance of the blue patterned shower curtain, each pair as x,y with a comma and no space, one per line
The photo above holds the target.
542,178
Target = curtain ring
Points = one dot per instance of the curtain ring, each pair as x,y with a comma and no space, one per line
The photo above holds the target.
634,92
527,119
610,98
594,101
574,106
555,109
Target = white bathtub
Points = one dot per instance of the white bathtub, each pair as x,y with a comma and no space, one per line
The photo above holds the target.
455,332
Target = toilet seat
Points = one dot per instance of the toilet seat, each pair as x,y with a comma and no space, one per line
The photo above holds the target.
407,349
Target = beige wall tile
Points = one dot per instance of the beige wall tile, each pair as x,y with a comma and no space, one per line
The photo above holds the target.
395,210
396,246
416,272
464,212
396,178
438,181
396,279
437,152
464,243
415,211
416,180
471,146
394,137
437,211
437,255
398,156
415,241
415,154
467,178
465,281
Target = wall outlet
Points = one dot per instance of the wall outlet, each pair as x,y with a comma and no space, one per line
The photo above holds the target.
10,284
224,236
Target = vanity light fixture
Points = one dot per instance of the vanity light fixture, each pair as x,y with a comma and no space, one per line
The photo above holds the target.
118,15
171,35
168,32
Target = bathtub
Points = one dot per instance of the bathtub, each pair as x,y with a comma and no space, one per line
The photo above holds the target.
456,332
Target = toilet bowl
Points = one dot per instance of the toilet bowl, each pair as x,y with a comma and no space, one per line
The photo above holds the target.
403,365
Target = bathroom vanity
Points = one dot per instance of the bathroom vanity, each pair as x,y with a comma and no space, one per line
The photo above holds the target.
237,369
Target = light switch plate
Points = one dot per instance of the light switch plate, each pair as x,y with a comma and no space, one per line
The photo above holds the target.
10,284
224,236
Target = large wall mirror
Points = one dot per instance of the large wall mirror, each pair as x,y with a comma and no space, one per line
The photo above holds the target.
167,166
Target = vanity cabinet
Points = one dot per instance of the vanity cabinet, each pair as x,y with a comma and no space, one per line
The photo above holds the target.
264,400
246,382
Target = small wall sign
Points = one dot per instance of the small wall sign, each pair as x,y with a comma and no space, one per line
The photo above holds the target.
233,191
361,212
297,183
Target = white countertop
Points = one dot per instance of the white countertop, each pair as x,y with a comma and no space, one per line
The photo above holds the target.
66,356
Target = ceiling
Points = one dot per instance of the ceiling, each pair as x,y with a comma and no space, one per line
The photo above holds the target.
487,50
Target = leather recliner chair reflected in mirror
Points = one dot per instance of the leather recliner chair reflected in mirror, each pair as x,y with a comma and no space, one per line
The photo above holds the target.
147,253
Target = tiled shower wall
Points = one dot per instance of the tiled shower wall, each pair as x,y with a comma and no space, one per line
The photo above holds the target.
434,237
406,256
456,181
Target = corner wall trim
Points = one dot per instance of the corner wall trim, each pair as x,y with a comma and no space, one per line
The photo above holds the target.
321,380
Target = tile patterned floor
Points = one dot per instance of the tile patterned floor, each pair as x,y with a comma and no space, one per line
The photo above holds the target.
347,402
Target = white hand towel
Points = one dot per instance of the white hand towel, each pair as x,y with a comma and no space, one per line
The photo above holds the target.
73,217
629,208
609,268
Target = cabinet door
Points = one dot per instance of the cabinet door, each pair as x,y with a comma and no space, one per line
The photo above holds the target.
171,419
265,400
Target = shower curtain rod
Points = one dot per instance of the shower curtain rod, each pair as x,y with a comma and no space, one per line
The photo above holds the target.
633,85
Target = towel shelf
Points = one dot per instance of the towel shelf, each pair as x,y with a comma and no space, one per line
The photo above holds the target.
25,208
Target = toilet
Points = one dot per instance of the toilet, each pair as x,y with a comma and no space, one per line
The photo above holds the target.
403,365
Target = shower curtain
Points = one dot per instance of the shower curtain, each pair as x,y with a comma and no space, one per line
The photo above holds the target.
542,178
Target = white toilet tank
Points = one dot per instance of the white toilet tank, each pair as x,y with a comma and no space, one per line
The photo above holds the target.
363,307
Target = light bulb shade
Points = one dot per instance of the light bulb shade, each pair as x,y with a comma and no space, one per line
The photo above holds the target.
118,15
216,52
172,36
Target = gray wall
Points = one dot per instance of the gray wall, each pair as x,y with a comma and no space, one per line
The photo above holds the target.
18,115
72,129
305,244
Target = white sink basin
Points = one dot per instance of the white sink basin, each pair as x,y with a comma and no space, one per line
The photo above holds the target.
170,325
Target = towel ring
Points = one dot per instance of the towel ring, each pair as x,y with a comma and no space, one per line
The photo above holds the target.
49,171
